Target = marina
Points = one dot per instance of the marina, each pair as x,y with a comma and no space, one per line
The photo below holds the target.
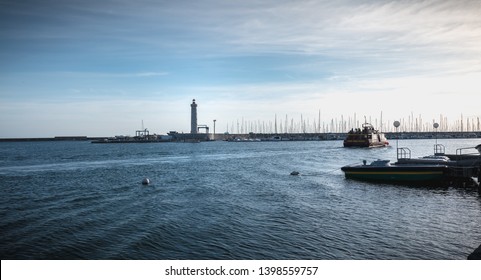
283,137
367,136
196,197
269,149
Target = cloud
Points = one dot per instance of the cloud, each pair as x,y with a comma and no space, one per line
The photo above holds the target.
395,32
150,74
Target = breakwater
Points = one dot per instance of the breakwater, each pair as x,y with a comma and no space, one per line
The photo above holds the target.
341,136
56,138
280,136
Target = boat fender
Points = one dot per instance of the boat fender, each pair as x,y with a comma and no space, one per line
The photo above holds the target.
145,181
294,173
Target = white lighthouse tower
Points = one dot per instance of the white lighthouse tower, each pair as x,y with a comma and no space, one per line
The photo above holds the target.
193,117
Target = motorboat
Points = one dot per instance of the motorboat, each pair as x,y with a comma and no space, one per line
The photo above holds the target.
436,169
384,171
365,137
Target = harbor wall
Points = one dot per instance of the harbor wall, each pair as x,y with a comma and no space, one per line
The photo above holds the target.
342,136
283,136
56,138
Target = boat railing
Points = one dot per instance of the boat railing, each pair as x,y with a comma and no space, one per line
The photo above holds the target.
439,149
403,153
461,151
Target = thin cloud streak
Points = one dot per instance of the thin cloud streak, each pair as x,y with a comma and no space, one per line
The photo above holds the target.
397,32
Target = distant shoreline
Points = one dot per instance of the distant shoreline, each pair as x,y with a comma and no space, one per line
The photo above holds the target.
56,138
296,136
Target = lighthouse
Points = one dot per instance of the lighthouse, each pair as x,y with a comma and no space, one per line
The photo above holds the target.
193,117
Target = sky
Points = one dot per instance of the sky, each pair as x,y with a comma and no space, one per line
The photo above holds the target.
101,68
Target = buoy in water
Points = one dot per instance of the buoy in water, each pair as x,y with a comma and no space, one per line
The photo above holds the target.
145,181
295,173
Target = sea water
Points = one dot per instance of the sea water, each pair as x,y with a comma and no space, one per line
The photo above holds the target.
224,200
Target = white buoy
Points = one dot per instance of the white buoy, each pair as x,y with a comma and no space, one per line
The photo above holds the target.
145,181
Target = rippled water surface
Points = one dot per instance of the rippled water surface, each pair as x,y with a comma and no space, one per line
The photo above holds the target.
221,200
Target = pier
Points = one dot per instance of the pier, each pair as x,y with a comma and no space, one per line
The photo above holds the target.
270,136
466,166
341,136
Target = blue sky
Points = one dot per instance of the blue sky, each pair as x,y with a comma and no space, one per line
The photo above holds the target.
98,68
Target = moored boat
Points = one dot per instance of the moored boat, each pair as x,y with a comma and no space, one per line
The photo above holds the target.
365,137
383,171
437,169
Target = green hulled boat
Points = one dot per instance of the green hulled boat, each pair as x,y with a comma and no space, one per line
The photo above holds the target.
383,171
